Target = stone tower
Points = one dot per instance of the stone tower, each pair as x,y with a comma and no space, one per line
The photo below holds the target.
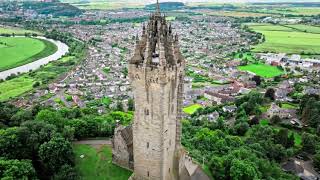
156,73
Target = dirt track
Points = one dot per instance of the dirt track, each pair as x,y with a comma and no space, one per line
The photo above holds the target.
95,143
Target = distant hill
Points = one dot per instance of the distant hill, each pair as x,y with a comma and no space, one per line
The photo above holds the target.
54,8
166,6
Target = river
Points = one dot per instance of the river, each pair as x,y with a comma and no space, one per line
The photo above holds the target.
63,49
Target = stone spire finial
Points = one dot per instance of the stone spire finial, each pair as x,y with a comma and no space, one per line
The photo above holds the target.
158,7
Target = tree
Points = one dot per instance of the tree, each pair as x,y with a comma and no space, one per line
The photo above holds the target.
257,79
66,172
241,128
6,112
119,106
36,84
216,166
275,119
270,93
290,141
130,105
311,113
80,128
20,116
10,143
70,113
254,121
282,137
309,142
56,153
15,169
316,160
51,117
243,170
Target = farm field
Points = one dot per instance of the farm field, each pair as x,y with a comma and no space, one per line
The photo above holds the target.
170,18
16,31
191,109
306,28
97,164
238,14
303,11
263,70
107,5
280,39
17,51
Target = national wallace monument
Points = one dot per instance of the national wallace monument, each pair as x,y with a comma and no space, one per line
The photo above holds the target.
151,146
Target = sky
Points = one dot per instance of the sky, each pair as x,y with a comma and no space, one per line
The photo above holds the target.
186,1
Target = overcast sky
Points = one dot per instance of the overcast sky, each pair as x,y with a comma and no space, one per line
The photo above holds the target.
224,1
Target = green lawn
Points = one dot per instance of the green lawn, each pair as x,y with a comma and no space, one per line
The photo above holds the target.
262,70
170,18
191,109
23,50
288,106
297,139
15,87
16,31
264,122
280,39
97,164
264,109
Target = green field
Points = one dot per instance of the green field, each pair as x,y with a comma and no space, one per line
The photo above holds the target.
237,13
170,18
97,164
305,28
22,84
262,70
16,31
286,39
15,87
297,139
264,122
298,11
289,106
17,51
191,109
107,5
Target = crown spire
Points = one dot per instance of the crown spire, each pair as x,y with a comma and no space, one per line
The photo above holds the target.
158,7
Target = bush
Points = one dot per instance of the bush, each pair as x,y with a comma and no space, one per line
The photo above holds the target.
66,172
56,153
36,84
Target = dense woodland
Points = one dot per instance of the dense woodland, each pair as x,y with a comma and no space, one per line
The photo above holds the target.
248,150
37,143
38,140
